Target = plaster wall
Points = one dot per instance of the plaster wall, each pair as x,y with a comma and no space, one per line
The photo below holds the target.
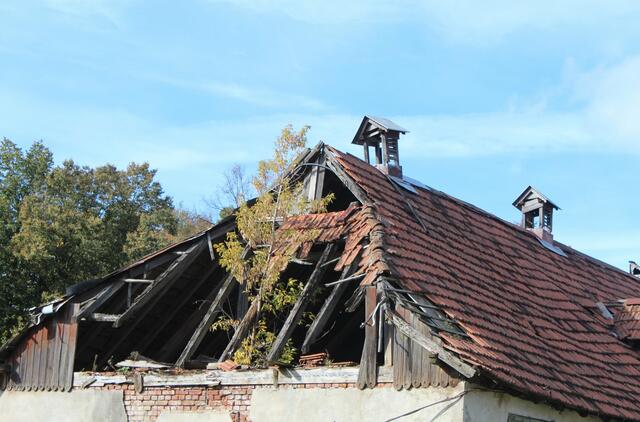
483,406
77,406
344,405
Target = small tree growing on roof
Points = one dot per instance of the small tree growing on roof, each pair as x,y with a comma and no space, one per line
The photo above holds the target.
279,197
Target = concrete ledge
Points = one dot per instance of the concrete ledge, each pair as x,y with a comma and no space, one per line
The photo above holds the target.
251,377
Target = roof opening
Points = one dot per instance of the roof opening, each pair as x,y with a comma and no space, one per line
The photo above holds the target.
537,213
634,269
381,134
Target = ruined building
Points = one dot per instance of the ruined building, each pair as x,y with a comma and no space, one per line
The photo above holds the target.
426,308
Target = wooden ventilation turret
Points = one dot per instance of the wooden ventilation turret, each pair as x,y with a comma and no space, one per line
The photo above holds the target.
634,269
537,213
381,134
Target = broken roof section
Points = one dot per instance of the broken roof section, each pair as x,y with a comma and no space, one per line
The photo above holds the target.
479,296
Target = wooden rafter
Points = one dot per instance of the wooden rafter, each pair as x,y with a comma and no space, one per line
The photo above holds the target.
162,283
301,304
327,309
153,334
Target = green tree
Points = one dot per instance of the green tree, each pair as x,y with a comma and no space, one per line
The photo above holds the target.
278,198
67,223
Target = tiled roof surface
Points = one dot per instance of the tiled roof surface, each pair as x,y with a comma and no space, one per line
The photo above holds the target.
627,321
530,314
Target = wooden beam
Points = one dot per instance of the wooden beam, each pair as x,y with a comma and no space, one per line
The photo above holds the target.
177,341
211,314
138,280
151,302
163,282
327,309
102,317
301,305
430,345
368,362
355,189
101,298
153,334
241,330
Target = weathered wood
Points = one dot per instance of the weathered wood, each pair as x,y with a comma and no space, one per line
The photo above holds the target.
241,330
368,361
327,309
416,357
430,345
408,360
98,317
152,334
180,337
301,305
101,298
227,287
144,310
286,376
355,189
138,280
214,309
163,282
344,280
212,255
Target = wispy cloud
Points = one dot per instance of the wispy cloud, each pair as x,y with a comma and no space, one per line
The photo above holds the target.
109,10
261,97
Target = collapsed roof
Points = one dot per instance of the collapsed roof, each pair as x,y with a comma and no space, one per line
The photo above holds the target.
483,296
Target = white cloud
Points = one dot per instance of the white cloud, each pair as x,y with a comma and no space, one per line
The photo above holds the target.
261,97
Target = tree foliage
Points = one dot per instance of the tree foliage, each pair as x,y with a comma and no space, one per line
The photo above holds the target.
67,223
259,272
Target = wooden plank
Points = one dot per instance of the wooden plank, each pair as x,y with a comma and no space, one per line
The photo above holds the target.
327,309
214,309
368,361
101,298
416,358
301,305
162,283
98,317
430,345
408,361
153,333
333,164
71,350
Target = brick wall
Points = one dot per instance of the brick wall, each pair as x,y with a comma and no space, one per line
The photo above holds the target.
152,401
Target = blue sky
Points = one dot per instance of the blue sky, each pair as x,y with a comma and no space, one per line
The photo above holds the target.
497,94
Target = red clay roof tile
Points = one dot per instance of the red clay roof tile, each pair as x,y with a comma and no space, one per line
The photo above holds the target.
530,313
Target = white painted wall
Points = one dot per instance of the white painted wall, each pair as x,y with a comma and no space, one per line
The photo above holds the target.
483,406
350,404
77,406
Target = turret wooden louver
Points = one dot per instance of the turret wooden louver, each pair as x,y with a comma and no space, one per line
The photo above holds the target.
537,212
381,134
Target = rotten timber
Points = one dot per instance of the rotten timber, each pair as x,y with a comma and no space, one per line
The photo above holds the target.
301,305
214,309
430,345
367,376
328,307
163,282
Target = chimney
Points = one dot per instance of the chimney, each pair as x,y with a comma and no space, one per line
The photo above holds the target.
634,269
381,134
537,213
